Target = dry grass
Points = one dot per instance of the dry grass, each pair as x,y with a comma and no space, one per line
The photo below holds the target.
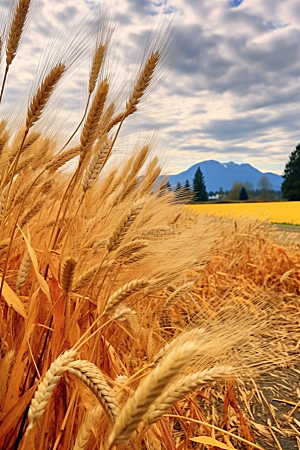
102,266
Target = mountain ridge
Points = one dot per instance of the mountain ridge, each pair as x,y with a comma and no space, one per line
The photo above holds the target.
217,175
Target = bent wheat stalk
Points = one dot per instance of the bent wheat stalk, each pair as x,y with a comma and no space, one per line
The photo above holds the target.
46,387
191,335
146,394
125,291
119,233
92,377
178,390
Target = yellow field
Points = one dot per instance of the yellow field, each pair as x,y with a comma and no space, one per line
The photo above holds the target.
288,212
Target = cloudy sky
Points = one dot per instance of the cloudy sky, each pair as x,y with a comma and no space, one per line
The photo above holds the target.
231,88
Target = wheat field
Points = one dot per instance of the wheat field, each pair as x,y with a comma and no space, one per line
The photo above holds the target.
119,307
278,212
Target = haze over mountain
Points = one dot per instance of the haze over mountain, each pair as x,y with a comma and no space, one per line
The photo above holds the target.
218,175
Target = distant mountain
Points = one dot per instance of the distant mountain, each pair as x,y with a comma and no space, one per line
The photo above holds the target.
218,175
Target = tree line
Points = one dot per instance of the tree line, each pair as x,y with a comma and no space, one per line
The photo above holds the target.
290,188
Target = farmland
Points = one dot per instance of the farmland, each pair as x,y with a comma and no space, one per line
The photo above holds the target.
278,212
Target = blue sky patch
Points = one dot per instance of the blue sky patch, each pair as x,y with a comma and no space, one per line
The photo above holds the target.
235,3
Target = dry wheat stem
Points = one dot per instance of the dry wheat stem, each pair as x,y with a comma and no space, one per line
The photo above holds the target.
43,94
66,274
93,378
186,384
46,387
191,335
146,394
200,422
122,227
124,292
24,271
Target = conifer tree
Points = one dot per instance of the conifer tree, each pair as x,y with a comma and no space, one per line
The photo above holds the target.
291,184
199,188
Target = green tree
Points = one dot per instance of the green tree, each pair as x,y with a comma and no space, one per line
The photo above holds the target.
199,188
178,186
291,184
243,194
187,187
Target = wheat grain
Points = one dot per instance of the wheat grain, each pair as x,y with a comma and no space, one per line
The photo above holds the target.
66,274
93,378
146,394
24,271
46,387
125,291
16,30
96,66
43,94
123,226
186,384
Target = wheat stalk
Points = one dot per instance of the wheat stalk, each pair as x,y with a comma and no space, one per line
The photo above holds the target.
182,289
43,94
89,131
191,335
5,368
138,90
103,126
61,159
66,274
125,291
146,394
31,212
96,66
186,384
16,30
46,387
93,378
96,164
142,83
24,271
118,234
88,274
85,431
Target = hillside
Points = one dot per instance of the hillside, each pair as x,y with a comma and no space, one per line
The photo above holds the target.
224,175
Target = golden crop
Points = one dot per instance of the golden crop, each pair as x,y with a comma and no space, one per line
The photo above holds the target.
279,212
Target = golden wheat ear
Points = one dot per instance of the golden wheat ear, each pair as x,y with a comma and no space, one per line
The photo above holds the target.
18,24
146,394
